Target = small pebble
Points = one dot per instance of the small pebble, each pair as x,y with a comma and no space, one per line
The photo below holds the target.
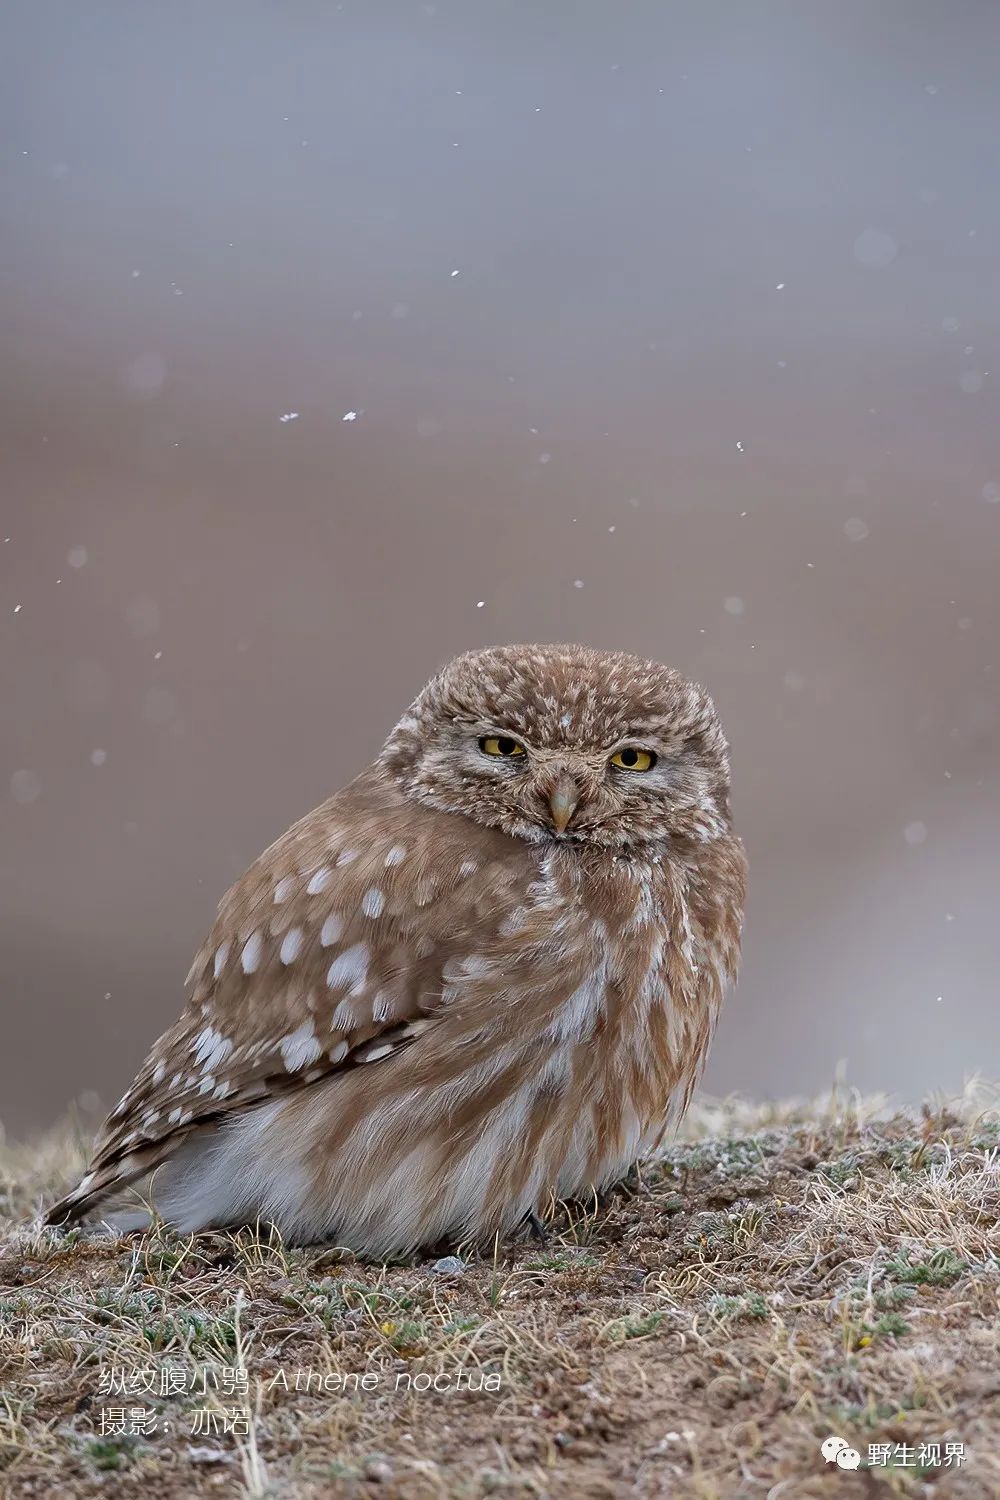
208,1456
449,1265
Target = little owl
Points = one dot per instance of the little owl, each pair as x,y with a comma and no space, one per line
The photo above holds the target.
485,973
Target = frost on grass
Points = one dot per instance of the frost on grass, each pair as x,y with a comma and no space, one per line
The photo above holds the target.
774,1274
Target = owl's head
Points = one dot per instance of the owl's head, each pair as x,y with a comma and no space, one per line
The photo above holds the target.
566,743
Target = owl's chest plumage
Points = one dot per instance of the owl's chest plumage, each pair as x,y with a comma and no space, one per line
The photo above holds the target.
636,1021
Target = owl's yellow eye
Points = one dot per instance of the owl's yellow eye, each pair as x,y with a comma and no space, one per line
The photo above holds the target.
502,746
633,760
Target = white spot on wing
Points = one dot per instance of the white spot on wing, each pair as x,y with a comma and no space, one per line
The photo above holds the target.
300,1047
284,889
395,856
348,968
372,902
382,1051
339,1052
291,945
250,957
331,930
319,881
210,1047
221,955
343,1017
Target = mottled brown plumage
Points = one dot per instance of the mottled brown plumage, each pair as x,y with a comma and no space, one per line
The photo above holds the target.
486,971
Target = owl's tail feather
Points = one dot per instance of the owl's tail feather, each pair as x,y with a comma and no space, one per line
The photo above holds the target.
103,1181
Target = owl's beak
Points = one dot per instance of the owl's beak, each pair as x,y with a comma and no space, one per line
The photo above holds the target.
563,799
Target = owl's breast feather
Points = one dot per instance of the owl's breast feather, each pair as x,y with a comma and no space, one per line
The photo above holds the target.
663,939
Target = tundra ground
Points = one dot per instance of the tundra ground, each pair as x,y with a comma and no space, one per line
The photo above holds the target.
777,1276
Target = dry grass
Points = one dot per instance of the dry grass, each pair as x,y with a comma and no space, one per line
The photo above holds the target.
777,1275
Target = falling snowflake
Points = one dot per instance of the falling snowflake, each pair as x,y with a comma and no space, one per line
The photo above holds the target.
875,248
25,787
290,416
349,416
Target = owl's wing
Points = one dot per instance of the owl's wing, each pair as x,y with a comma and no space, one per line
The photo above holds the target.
330,952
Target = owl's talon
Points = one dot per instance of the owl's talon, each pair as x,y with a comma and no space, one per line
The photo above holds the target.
536,1227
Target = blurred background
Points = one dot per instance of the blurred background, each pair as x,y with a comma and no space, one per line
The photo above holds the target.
340,338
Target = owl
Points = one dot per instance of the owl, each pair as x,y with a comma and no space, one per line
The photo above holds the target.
483,974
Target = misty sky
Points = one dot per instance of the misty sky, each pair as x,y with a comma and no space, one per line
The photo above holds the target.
665,327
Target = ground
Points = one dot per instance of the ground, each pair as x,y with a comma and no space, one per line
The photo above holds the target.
777,1277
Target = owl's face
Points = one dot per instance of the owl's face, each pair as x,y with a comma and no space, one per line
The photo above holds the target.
566,744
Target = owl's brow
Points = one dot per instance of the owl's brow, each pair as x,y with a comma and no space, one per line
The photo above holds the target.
646,733
495,726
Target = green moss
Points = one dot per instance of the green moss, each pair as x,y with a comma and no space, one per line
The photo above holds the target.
941,1268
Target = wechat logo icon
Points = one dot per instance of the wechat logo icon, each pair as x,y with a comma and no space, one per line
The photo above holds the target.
836,1451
